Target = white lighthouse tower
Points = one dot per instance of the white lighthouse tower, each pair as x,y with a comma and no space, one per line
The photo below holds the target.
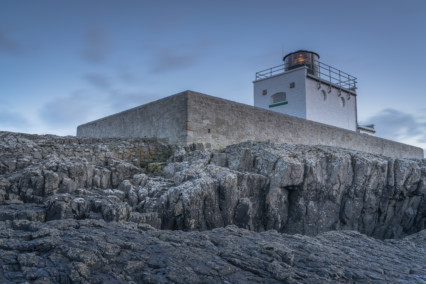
309,89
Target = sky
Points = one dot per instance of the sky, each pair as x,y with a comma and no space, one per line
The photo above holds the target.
64,63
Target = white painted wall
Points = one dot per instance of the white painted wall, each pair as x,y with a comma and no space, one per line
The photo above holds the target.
330,111
281,83
306,100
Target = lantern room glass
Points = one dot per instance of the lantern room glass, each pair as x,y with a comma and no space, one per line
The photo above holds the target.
302,58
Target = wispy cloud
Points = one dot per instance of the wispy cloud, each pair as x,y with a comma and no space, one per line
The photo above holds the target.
403,127
126,75
122,100
116,98
70,110
8,45
177,57
97,45
98,80
83,106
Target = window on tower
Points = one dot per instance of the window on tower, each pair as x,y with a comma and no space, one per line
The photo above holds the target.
278,99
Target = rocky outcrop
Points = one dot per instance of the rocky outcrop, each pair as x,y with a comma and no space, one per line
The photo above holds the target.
317,189
257,186
94,251
89,211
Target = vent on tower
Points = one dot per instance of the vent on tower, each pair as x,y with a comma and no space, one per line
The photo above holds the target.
302,58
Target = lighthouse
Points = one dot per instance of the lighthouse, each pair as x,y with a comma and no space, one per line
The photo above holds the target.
305,87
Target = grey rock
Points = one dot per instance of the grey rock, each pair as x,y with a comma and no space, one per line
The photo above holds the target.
28,211
88,211
93,251
258,186
116,212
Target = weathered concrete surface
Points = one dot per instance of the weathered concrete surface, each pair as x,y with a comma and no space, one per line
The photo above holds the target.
191,117
165,119
93,251
230,123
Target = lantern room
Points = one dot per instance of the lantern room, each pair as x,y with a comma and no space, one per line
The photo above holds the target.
302,58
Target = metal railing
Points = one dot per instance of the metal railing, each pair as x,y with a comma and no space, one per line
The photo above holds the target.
318,69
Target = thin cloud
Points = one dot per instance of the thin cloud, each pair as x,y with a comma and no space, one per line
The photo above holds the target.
396,125
97,45
70,110
8,45
115,98
84,106
13,119
168,60
127,76
177,57
98,80
122,100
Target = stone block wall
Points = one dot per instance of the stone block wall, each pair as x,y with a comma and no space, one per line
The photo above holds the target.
191,117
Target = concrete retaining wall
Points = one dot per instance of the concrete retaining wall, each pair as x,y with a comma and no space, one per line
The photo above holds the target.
165,118
191,117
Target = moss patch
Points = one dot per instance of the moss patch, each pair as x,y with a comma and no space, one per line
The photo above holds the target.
154,169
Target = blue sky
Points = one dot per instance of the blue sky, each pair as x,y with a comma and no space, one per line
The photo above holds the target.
64,63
